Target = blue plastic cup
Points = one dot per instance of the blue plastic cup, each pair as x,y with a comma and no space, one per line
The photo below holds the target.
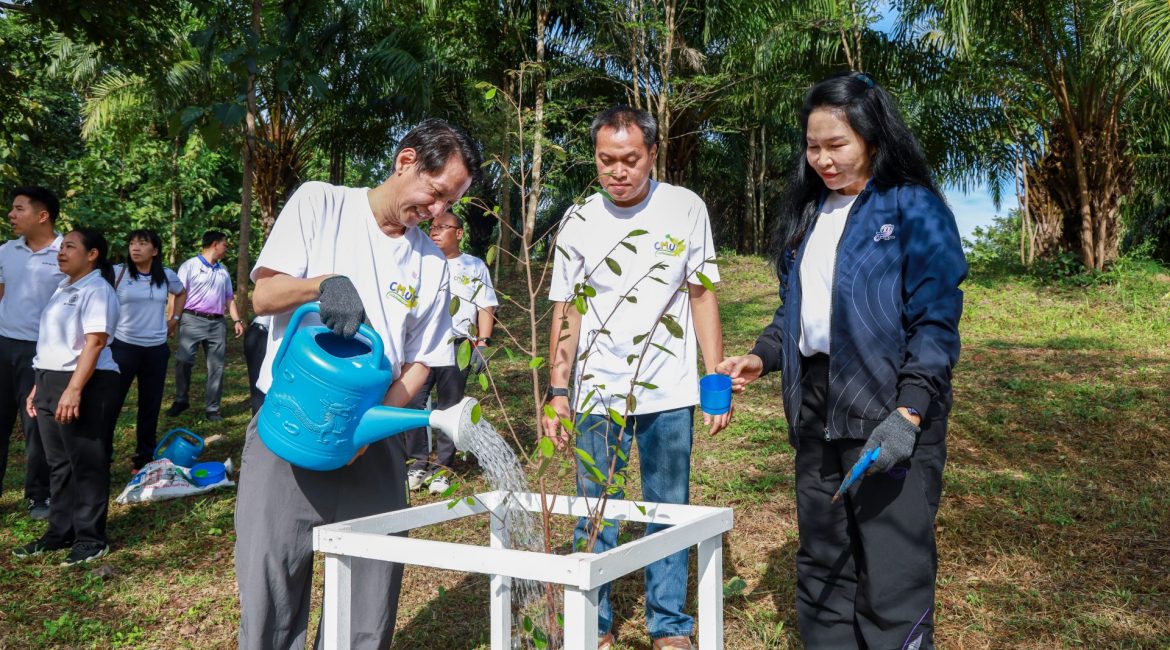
715,394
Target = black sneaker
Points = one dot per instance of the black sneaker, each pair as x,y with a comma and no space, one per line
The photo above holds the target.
214,416
177,408
84,552
38,509
33,549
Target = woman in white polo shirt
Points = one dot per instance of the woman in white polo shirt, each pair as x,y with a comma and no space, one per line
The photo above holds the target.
77,381
140,339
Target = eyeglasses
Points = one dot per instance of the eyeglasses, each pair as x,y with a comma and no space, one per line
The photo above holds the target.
443,227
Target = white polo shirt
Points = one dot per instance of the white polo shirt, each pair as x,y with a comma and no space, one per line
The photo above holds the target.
654,270
327,229
88,306
29,281
472,284
142,307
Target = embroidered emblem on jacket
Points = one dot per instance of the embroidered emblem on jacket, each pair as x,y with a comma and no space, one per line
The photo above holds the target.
885,233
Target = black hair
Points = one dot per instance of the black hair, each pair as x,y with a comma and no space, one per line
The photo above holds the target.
158,276
41,196
435,141
896,157
93,239
622,117
212,237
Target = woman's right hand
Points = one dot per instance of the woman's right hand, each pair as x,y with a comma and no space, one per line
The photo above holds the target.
742,370
29,407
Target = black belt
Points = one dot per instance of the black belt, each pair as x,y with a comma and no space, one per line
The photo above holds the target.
203,314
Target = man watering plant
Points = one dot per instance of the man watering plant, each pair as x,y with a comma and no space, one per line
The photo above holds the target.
360,253
629,282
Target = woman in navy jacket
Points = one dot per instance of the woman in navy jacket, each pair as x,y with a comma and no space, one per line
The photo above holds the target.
865,338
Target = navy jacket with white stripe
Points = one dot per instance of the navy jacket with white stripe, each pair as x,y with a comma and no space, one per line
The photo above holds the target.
894,324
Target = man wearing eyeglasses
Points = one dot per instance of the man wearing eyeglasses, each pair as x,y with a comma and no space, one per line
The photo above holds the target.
474,301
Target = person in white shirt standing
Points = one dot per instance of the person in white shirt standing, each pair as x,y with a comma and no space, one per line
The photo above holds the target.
209,295
619,349
76,383
360,253
475,301
140,340
28,277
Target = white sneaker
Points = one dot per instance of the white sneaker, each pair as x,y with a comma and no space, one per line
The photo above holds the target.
439,484
414,478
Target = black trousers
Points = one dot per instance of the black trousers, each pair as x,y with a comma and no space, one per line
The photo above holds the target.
866,565
450,384
148,364
79,463
16,381
255,344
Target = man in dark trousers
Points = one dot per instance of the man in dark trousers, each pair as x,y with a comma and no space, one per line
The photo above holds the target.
28,277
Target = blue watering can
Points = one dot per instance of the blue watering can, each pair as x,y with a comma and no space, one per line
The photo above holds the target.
181,451
324,403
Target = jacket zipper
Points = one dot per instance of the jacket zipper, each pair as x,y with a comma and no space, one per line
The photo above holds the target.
833,301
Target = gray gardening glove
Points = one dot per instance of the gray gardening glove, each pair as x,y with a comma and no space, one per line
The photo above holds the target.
478,361
896,436
341,307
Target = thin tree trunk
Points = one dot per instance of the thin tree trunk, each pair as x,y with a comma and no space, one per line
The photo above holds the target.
758,212
243,259
537,129
176,203
504,239
663,108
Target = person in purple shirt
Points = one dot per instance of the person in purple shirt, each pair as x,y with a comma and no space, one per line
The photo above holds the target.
209,295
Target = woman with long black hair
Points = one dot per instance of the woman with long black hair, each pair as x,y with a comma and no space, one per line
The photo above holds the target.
870,262
140,345
76,382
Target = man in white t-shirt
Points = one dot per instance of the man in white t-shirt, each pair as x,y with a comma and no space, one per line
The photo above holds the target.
474,301
28,277
360,253
628,283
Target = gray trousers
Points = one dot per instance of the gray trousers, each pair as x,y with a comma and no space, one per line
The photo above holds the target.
277,507
450,384
211,333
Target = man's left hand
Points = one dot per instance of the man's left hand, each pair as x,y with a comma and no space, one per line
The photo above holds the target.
478,360
718,422
239,327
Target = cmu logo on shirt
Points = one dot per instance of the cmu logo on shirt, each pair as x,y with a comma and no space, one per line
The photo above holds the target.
670,247
404,294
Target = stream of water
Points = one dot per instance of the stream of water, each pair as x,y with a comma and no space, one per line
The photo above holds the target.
502,470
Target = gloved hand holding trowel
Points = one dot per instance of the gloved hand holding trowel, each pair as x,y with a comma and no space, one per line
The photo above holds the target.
890,443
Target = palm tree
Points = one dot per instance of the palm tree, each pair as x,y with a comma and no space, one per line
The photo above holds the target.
1072,79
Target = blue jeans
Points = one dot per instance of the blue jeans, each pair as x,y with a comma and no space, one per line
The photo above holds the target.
664,449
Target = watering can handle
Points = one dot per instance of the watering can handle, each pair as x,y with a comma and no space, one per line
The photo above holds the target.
315,307
167,436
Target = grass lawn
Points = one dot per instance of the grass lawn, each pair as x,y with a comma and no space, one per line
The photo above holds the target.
1054,529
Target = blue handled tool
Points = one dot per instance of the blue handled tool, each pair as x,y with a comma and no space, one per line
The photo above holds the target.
858,471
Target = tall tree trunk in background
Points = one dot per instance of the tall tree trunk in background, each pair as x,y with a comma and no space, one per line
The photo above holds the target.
176,203
243,260
505,239
665,59
762,174
537,128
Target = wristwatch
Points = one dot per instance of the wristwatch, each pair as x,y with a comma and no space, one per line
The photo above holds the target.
176,317
486,340
554,391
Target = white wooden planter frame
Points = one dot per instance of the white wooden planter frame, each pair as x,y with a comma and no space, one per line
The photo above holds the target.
581,574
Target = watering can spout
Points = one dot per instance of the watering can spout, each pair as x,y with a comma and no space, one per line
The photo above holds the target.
382,422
